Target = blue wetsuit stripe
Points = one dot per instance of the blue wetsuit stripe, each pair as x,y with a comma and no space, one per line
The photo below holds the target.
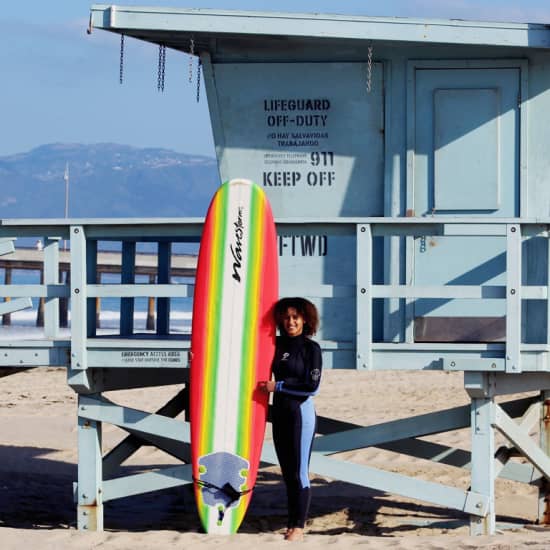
307,412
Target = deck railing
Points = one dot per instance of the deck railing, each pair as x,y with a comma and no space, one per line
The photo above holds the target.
361,350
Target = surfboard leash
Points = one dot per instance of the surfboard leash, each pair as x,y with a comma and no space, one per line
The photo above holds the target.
228,490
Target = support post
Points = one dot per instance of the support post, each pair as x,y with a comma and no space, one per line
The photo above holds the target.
150,325
163,304
6,318
544,487
364,297
91,278
51,277
127,277
483,463
64,276
79,317
41,302
513,298
90,472
98,306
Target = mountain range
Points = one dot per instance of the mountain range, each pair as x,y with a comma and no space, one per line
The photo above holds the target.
105,180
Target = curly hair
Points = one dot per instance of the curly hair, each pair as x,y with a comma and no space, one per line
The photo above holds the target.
304,307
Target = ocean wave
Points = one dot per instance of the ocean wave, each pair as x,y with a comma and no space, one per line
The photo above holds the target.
109,321
107,315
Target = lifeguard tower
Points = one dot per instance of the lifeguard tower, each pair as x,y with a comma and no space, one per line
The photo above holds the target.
406,163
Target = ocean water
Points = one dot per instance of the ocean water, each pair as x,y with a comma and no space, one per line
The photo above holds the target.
24,322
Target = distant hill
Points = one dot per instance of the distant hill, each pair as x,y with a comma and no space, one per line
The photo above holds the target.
106,180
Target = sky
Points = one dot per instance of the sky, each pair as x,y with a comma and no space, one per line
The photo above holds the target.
60,85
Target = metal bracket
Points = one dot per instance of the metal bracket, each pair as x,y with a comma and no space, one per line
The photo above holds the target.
476,504
479,385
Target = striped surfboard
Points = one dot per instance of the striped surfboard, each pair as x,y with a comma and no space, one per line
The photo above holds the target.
233,341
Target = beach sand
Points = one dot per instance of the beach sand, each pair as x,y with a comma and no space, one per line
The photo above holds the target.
38,465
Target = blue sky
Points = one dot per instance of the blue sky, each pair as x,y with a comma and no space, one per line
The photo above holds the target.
61,85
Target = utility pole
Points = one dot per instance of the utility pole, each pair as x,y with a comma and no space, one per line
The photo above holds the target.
66,178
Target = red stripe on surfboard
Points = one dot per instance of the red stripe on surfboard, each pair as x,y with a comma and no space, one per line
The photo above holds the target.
199,326
266,338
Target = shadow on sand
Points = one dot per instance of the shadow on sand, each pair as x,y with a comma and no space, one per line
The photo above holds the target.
36,492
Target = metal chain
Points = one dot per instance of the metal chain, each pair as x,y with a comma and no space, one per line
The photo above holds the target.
158,68
161,67
191,55
199,66
369,70
422,244
121,65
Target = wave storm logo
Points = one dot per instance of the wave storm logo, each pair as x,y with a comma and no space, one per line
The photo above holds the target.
236,251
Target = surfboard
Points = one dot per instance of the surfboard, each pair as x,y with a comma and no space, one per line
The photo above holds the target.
232,346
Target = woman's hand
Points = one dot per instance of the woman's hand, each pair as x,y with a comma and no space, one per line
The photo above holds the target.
267,387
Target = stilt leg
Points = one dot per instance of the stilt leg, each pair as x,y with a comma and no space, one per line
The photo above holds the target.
544,488
90,473
483,464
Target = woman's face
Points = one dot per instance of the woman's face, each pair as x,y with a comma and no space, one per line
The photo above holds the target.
293,322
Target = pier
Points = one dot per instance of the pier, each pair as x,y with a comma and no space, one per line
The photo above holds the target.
146,264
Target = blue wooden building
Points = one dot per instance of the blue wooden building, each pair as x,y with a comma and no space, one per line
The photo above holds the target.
406,162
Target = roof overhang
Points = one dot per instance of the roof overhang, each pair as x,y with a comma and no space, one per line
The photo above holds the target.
173,27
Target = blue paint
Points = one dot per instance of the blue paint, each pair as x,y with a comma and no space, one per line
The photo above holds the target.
307,411
222,469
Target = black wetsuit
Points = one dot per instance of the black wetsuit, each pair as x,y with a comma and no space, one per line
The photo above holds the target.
297,368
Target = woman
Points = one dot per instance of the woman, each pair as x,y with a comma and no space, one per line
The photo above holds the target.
297,369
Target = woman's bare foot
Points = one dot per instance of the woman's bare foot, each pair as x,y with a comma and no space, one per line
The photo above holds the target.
296,534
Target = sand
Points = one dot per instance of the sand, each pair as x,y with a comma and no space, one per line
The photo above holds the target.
38,465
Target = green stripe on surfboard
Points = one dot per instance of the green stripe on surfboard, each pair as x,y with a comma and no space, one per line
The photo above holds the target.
250,305
217,286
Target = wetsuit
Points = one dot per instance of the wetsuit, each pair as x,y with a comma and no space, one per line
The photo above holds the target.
297,368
